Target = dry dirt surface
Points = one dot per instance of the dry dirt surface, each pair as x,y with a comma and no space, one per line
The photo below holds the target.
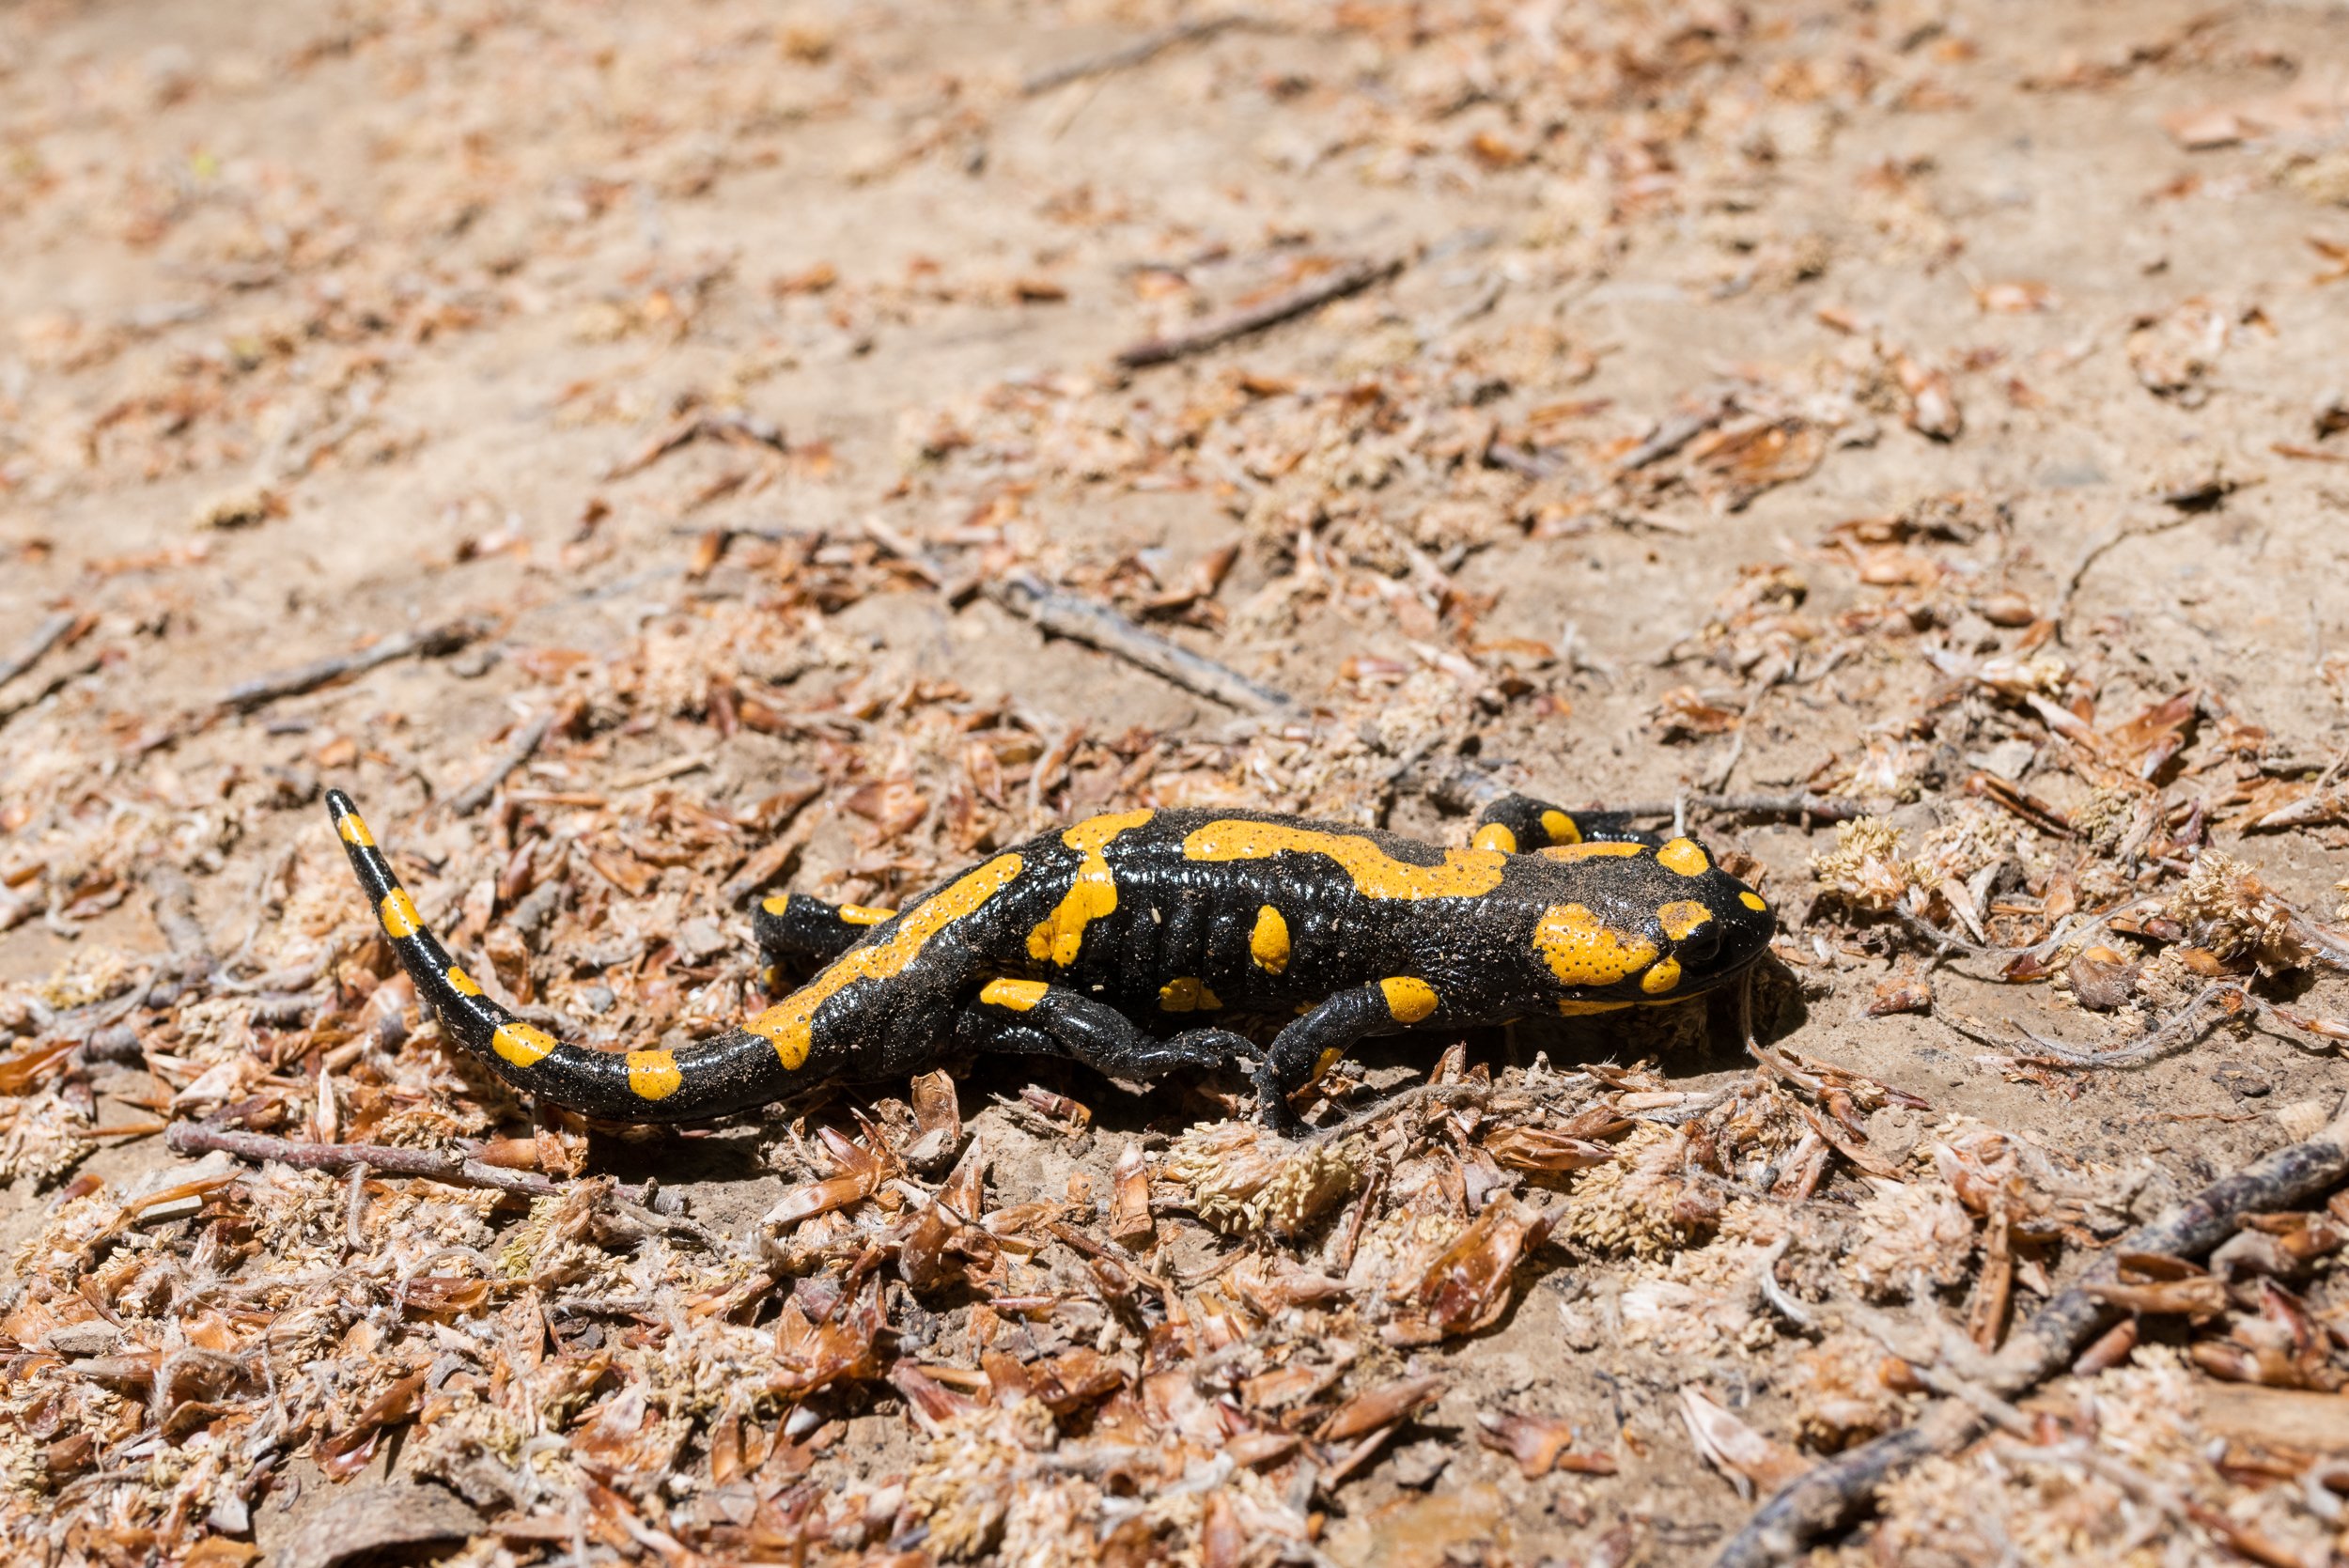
626,446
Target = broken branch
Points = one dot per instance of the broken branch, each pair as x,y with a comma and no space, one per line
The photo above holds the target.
45,636
432,642
1098,626
1828,1497
1350,278
477,795
1127,56
192,1137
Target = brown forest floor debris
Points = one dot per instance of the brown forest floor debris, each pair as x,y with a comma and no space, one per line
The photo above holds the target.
643,452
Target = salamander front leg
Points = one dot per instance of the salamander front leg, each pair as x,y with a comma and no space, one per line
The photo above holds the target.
1313,1045
1518,825
1032,1017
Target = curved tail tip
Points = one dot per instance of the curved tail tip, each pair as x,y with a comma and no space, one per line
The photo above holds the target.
349,825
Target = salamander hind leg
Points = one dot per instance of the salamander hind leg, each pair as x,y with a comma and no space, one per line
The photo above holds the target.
798,933
1519,824
1032,1017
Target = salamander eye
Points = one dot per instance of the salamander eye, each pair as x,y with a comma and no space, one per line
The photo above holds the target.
1701,943
1695,933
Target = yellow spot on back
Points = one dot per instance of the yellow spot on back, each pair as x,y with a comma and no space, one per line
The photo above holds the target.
863,914
1184,994
461,983
1092,896
1270,941
653,1074
1753,901
1582,950
1495,835
1584,1009
523,1045
1590,851
355,831
1662,978
1407,999
398,914
1018,995
1463,874
1560,827
1682,855
779,904
1682,916
787,1023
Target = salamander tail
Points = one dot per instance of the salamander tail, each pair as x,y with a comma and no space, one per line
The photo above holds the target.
729,1072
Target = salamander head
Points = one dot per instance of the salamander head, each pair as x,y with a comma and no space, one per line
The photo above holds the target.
1638,924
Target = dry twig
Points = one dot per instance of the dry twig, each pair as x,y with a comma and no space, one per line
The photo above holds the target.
1837,1491
45,636
50,687
1800,803
687,428
1098,626
432,642
2092,552
477,795
192,1138
1461,784
1127,56
1216,331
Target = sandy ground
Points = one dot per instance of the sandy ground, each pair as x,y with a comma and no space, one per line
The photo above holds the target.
1999,343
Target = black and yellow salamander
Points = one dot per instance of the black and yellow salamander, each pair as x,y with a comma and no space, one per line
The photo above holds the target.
1112,940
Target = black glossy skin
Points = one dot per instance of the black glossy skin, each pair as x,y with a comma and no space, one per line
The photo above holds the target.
1133,971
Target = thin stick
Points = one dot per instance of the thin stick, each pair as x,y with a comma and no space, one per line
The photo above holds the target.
194,1138
1462,785
2183,1028
50,687
2322,806
1100,627
2095,551
738,531
433,642
1766,1275
2063,934
1396,1104
173,904
175,915
1822,808
1127,56
1824,1498
1737,748
477,795
355,1209
1516,459
905,548
1670,436
44,637
690,428
957,591
1215,331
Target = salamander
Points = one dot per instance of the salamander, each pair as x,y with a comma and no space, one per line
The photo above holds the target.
1123,941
